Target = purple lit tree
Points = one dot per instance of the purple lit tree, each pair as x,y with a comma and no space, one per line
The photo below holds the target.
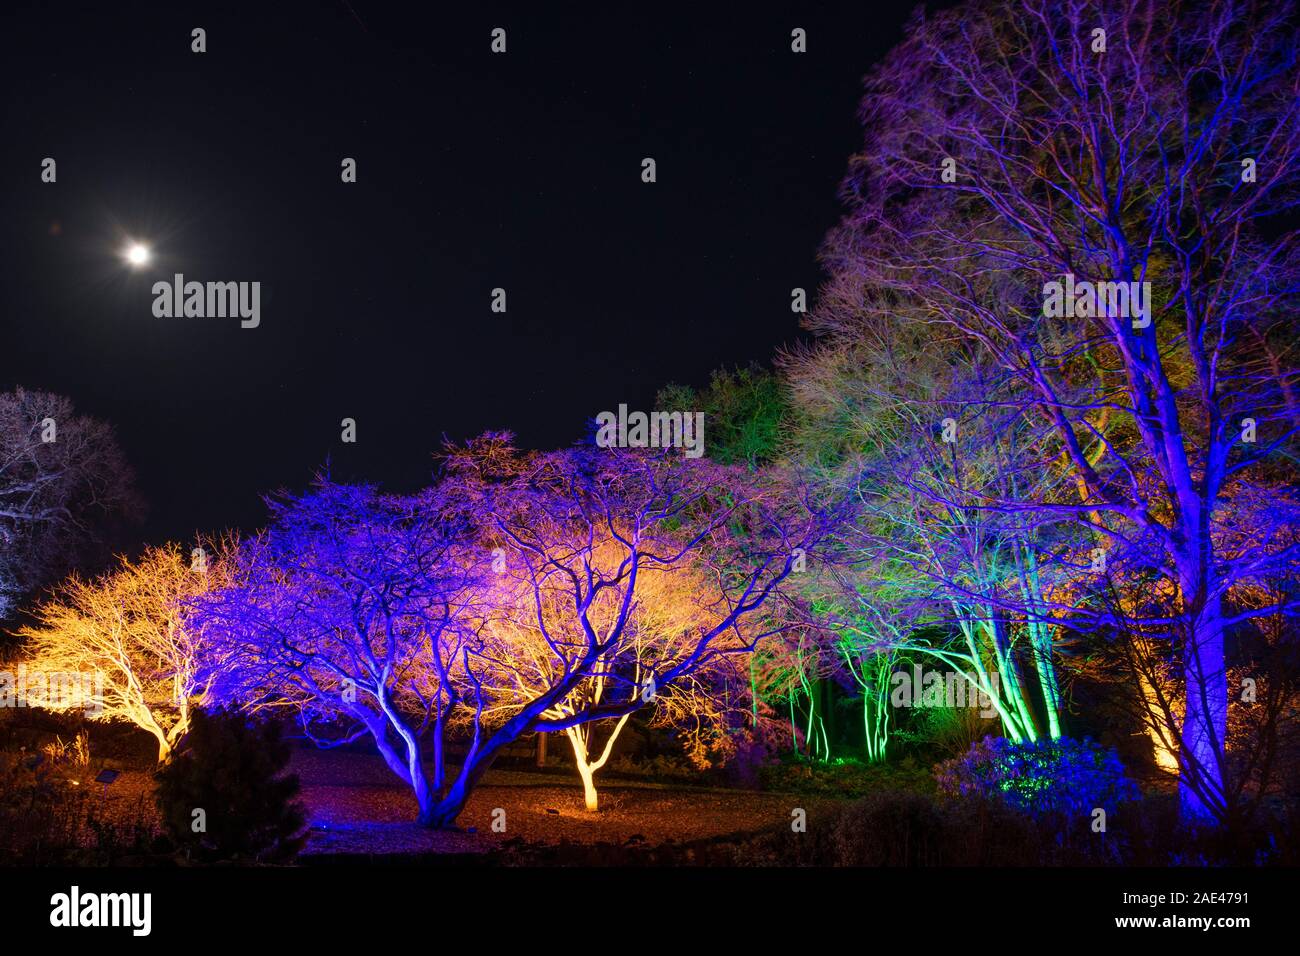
353,609
397,618
578,531
1152,151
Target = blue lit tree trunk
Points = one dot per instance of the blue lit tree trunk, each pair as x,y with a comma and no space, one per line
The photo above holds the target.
1160,160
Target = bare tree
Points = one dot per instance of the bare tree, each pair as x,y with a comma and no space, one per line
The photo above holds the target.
663,622
352,610
585,526
1151,151
132,630
61,476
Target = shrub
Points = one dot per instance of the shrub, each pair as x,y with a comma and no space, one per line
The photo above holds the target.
890,828
898,827
45,820
1047,776
846,778
232,770
948,731
74,753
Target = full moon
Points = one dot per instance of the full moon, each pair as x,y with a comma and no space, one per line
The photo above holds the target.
137,254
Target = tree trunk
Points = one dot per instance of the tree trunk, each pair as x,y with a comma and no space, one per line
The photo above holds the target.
585,769
410,770
477,763
1205,721
424,794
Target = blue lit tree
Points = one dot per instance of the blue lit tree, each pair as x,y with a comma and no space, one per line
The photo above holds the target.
1008,147
396,618
577,531
353,608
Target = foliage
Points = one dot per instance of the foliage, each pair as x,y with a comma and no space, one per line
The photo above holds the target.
950,731
352,610
1003,152
745,411
845,778
523,592
50,815
74,752
1045,776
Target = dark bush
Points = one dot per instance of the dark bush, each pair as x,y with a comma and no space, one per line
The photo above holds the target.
232,770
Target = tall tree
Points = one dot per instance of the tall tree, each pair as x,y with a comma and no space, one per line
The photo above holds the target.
1151,148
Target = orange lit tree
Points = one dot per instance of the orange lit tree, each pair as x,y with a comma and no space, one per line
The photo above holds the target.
132,629
387,616
548,519
663,621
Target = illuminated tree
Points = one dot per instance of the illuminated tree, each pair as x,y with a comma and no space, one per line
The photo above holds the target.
931,571
788,674
1012,147
377,615
746,410
749,415
664,620
352,610
61,476
550,515
132,629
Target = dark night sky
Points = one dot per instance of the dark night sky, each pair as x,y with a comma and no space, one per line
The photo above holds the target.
475,171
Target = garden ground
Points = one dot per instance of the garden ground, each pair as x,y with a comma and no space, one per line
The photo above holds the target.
654,811
355,807
354,810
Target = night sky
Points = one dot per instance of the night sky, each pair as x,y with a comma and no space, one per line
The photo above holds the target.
475,171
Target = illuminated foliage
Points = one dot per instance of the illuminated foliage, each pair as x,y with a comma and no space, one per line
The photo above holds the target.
746,410
1063,775
523,593
663,621
580,531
